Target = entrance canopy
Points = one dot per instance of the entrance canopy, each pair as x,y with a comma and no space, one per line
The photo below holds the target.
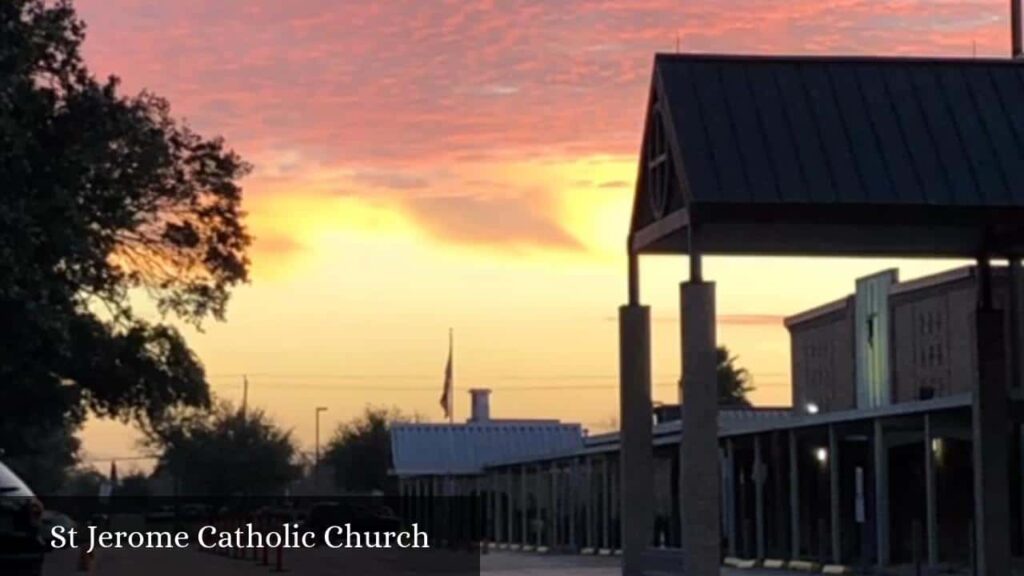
832,156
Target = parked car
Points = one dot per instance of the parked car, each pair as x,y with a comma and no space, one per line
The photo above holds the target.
52,519
21,543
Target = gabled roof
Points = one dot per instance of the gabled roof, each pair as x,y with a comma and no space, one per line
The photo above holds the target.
464,449
832,155
730,422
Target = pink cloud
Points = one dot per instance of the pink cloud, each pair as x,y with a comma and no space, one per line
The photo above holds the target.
401,85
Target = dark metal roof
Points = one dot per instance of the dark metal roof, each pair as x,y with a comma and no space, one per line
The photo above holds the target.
909,147
464,449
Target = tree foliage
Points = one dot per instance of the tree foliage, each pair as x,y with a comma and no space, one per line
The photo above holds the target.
225,452
133,485
733,380
360,451
104,197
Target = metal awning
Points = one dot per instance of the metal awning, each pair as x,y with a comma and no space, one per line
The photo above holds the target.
832,156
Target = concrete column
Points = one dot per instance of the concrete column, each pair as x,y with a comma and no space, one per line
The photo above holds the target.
494,496
1016,324
930,501
636,465
588,466
555,506
573,494
990,424
541,504
616,513
1018,475
699,471
606,500
729,496
881,456
834,497
794,497
524,502
759,478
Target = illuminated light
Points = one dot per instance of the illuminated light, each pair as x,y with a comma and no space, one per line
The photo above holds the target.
821,455
938,447
811,408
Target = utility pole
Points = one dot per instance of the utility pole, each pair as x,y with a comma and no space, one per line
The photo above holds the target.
316,458
245,396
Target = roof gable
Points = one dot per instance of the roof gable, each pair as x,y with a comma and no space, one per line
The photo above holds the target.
795,138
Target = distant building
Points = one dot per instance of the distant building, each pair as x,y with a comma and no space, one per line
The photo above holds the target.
463,450
882,384
890,341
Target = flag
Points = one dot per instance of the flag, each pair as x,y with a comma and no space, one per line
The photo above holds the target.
446,394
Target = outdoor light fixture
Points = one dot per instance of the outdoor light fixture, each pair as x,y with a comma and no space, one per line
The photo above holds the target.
821,455
811,408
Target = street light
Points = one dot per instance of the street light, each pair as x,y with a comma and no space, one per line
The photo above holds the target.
316,460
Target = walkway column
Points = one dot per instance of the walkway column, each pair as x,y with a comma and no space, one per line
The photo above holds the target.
931,512
991,457
573,496
606,500
881,455
636,464
524,509
555,506
794,497
759,478
729,495
699,471
834,496
588,534
493,495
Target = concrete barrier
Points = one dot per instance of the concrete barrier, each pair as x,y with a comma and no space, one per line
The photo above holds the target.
804,566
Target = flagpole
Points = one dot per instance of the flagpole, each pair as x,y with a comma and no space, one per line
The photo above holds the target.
451,393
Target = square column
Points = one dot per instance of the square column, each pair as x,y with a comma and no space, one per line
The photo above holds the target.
794,497
729,496
990,424
636,465
834,496
698,461
553,506
495,505
759,478
881,456
606,500
524,509
589,515
930,503
574,499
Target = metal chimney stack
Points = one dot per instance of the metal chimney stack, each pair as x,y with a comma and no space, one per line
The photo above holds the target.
1017,48
481,411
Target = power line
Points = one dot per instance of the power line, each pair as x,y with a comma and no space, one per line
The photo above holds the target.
340,387
424,377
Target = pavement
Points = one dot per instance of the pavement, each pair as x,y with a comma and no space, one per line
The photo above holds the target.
321,562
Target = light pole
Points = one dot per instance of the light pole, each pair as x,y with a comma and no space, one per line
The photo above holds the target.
316,459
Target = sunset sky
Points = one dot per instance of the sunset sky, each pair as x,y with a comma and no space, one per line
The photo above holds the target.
423,165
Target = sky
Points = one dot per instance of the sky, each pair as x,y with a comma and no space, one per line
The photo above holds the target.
426,165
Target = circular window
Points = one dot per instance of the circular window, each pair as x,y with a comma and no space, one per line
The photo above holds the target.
658,165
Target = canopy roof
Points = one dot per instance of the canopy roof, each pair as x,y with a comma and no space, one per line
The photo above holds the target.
832,156
463,449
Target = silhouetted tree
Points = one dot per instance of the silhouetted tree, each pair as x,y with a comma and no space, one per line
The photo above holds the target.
733,381
225,452
360,450
84,482
133,485
102,197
